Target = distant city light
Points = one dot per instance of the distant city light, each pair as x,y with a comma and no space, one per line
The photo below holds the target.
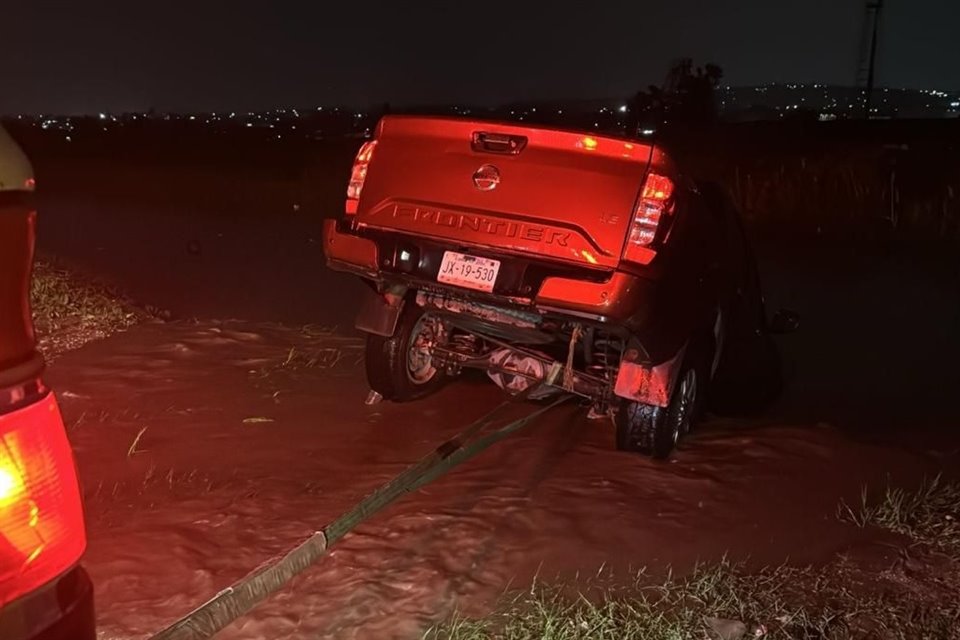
827,102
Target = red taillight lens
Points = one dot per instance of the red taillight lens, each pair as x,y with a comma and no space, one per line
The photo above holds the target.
41,516
657,187
655,202
359,174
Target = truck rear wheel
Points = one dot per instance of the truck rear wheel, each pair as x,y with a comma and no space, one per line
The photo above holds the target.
400,368
655,431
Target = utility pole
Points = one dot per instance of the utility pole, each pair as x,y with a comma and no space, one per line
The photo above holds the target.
868,52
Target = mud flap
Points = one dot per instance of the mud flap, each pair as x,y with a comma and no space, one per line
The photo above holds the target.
378,315
646,384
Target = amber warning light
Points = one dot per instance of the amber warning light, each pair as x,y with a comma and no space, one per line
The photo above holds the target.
41,516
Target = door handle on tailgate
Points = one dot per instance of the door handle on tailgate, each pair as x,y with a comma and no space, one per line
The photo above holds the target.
501,143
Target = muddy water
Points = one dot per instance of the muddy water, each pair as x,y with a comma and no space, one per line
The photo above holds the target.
252,436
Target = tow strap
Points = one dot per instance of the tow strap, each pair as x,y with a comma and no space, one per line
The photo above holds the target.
242,596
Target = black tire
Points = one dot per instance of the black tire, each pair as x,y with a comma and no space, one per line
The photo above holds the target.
655,431
391,369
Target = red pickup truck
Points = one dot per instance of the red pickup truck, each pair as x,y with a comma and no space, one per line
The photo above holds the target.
44,593
552,260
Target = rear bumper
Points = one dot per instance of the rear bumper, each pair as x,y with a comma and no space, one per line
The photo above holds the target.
602,297
349,252
612,301
621,301
60,610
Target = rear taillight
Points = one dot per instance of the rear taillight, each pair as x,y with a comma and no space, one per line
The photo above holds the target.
655,202
359,174
41,516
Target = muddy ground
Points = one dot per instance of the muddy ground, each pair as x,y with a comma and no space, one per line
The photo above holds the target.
214,440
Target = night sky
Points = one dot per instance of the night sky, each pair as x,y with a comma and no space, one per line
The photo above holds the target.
119,55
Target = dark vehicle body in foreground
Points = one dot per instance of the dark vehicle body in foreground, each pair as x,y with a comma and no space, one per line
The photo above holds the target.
551,260
44,593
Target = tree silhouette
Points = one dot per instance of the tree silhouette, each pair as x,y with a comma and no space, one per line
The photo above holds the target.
686,96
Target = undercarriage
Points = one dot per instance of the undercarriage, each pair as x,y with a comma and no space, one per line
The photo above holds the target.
520,349
428,335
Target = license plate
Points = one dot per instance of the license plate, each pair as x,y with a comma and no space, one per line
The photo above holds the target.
468,271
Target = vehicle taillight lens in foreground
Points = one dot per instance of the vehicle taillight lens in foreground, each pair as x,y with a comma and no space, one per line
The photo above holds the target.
41,516
359,174
654,203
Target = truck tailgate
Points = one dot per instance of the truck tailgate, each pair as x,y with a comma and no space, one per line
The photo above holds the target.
556,194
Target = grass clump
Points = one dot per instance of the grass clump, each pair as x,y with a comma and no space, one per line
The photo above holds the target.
913,598
930,514
69,311
719,601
